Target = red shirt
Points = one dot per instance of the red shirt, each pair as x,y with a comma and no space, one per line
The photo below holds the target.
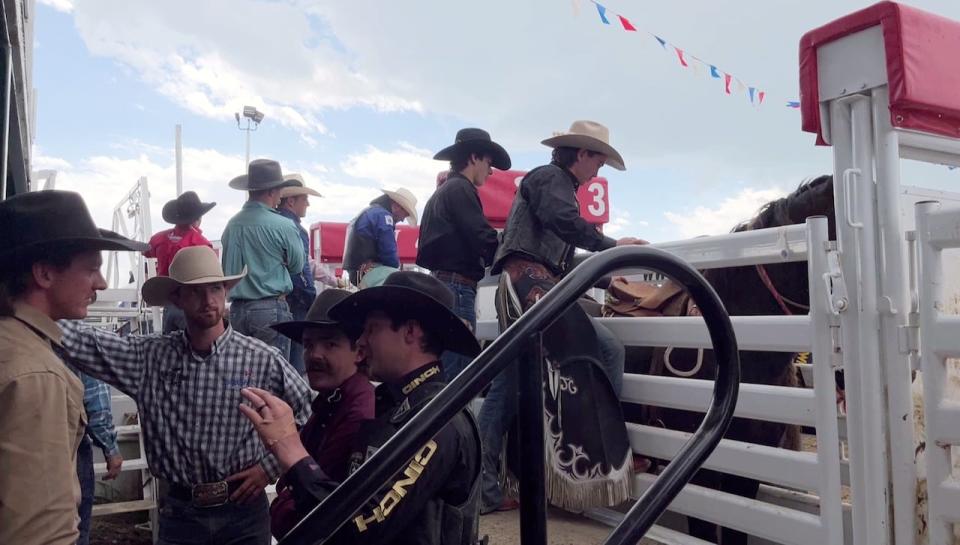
165,244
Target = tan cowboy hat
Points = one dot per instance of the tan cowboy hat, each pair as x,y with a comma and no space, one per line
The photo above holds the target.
588,135
191,266
296,190
406,200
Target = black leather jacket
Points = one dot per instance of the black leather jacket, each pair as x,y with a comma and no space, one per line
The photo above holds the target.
545,223
440,499
454,234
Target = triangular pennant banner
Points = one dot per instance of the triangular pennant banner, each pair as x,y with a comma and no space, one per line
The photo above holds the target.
713,72
576,8
793,104
683,62
663,43
726,82
752,91
626,24
603,13
760,96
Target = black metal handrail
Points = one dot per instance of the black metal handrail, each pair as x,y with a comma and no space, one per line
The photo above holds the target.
335,510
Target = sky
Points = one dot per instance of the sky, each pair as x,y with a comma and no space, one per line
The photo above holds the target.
359,95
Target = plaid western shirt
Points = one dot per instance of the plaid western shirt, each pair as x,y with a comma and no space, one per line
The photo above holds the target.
193,430
96,401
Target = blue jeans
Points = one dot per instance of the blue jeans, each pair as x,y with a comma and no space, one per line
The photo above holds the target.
296,349
252,319
464,306
230,524
500,407
87,477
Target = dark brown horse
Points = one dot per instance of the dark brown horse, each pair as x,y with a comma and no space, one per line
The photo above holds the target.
746,292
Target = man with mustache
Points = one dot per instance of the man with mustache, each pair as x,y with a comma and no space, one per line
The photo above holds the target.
187,385
344,398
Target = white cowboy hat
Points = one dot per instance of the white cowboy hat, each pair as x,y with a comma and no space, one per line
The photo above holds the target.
406,200
191,266
588,135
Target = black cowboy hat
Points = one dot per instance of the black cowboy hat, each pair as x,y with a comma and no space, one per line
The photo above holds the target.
317,316
261,174
38,222
476,140
418,295
185,209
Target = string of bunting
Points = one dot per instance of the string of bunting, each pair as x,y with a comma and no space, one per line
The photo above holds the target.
731,84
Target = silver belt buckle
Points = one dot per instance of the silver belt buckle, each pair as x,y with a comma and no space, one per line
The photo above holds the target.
210,494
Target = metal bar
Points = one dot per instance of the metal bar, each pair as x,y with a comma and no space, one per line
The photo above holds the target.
756,401
7,94
921,145
533,486
778,524
178,148
934,372
766,333
335,510
779,466
822,319
894,300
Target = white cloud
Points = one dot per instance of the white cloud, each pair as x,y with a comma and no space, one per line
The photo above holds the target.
65,6
228,53
705,220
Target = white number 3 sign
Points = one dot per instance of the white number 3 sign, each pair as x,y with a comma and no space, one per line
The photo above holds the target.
598,207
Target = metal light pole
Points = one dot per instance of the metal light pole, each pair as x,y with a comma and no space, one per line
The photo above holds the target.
253,117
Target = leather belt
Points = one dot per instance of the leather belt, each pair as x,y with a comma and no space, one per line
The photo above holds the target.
281,297
455,278
204,494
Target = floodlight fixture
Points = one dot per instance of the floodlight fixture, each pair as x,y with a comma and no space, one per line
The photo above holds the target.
253,117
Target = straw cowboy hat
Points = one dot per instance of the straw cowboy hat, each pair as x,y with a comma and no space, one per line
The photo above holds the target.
191,266
588,135
318,316
261,174
40,222
406,200
299,189
185,209
415,294
476,141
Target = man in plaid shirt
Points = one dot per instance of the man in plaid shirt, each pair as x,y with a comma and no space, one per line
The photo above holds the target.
187,387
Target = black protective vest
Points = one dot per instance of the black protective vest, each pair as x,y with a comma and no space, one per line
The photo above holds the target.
440,522
358,249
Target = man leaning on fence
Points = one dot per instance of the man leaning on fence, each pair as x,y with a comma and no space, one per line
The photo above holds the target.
51,270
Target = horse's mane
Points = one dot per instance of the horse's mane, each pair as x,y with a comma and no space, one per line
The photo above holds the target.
774,214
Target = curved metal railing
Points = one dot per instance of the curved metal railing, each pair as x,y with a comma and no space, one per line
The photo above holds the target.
327,517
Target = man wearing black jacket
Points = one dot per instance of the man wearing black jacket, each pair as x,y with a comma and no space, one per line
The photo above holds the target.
457,243
407,322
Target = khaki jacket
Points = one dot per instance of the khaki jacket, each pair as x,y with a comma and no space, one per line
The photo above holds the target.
41,424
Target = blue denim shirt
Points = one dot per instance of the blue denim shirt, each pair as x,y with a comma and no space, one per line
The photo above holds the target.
96,401
304,291
376,223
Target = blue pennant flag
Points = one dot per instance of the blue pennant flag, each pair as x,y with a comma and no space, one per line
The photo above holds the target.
752,90
663,43
793,104
713,72
603,13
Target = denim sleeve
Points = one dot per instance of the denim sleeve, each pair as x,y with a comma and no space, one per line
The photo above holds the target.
96,401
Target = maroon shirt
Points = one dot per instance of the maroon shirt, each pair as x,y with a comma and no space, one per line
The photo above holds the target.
330,436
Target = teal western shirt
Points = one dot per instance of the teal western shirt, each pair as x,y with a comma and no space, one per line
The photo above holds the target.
268,244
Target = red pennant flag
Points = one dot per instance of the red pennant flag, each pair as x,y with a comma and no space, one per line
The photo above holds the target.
761,95
626,24
683,62
726,82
